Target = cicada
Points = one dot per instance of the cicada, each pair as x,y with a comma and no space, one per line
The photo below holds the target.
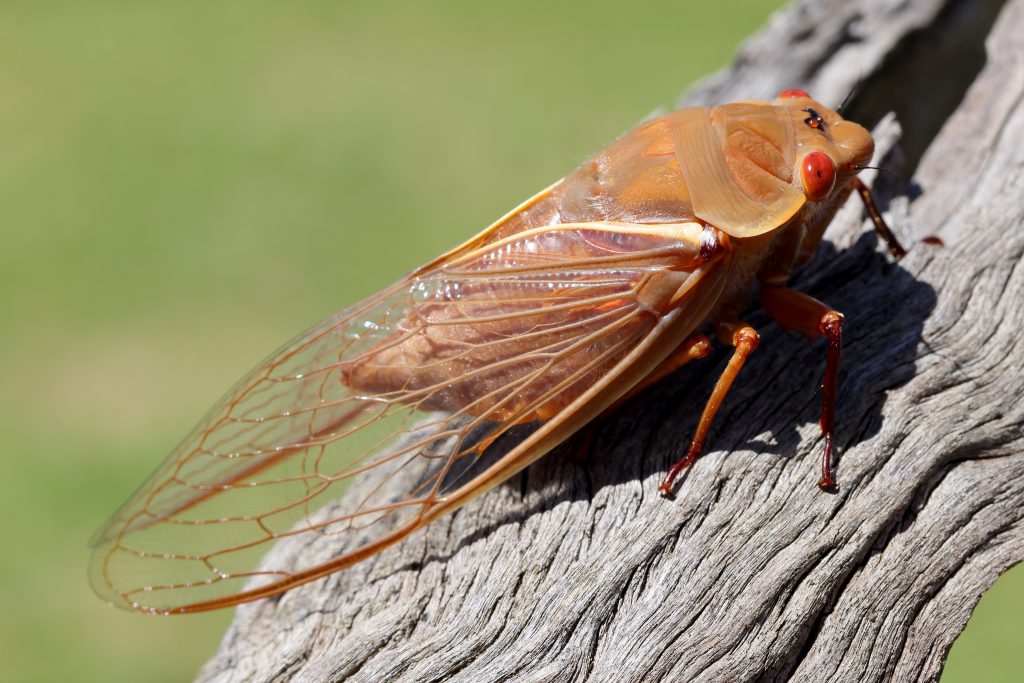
579,298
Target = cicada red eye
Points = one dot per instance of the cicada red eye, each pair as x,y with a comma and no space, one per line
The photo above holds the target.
819,175
793,92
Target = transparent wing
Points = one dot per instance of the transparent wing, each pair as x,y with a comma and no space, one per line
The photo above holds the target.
423,377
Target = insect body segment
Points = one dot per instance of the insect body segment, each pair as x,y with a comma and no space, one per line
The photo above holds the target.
376,421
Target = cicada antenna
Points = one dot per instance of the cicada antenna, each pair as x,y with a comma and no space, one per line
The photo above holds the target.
875,168
849,96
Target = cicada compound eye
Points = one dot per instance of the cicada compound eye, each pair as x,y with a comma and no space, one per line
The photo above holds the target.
793,93
819,175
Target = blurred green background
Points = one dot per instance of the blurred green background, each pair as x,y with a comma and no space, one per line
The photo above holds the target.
184,185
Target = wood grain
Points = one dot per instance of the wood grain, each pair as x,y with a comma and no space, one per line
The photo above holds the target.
581,572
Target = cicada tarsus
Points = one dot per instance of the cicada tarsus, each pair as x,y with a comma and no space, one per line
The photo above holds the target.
576,300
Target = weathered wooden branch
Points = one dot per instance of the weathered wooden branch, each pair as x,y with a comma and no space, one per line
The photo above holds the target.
574,572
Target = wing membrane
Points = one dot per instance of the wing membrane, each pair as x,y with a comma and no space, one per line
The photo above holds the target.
424,377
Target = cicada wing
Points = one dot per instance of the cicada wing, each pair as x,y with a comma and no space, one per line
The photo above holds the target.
422,378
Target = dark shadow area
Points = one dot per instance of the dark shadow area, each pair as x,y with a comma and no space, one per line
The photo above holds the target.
925,77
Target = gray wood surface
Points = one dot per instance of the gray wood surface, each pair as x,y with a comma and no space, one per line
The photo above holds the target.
581,572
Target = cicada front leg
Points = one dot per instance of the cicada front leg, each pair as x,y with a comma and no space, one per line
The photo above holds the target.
796,311
744,339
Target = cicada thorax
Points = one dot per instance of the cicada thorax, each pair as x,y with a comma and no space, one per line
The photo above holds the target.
635,180
758,147
736,161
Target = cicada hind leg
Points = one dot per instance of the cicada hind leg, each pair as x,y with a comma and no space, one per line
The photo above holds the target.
744,339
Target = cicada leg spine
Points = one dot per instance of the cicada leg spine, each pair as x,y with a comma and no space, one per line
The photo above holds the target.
744,339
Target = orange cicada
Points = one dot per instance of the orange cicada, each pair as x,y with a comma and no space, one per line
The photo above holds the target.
506,345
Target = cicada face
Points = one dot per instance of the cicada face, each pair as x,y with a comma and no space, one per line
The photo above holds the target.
828,149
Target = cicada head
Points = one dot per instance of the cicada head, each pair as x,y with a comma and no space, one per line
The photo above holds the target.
828,149
751,167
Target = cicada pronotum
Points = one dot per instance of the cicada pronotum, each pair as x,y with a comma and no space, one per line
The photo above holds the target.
579,298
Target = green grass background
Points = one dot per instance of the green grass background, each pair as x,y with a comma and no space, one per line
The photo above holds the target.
184,185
